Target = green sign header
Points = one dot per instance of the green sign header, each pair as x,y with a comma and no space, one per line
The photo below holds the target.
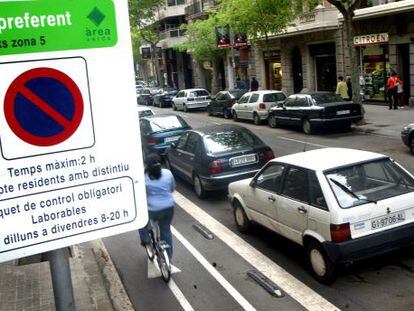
56,25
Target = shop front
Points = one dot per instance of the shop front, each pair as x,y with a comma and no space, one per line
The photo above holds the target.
273,70
375,65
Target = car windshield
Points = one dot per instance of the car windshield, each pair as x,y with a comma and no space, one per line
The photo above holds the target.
273,97
369,182
198,93
145,113
237,93
326,98
165,123
145,91
226,141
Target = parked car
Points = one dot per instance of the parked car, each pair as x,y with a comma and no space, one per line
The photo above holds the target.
341,205
164,97
159,131
191,99
144,112
315,110
256,105
407,136
144,96
213,156
223,101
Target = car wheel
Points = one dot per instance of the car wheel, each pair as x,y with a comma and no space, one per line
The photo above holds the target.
323,269
173,107
235,118
198,187
226,113
307,127
256,119
411,144
272,121
242,222
185,108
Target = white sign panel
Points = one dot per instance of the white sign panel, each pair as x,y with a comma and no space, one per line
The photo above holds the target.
71,165
373,39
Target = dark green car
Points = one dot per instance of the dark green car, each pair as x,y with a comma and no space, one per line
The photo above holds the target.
159,131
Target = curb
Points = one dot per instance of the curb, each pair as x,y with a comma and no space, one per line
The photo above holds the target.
113,283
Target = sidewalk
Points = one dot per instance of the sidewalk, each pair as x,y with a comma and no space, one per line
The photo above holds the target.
382,121
95,282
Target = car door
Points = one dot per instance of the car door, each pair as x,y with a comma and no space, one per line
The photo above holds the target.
293,204
178,100
188,154
215,103
283,114
175,155
252,105
241,107
301,110
261,199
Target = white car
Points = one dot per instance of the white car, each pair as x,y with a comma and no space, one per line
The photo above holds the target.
191,99
340,204
256,105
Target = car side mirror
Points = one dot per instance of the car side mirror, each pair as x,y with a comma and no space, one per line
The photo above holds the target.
174,145
253,183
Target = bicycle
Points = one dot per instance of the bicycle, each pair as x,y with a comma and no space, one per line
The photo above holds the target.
158,248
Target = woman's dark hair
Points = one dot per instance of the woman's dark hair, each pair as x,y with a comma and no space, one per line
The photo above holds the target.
153,166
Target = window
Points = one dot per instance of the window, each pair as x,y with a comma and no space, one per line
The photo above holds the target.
220,96
271,177
325,98
224,141
244,99
182,141
180,94
370,181
296,184
198,93
290,102
254,98
273,97
301,102
316,195
192,143
166,123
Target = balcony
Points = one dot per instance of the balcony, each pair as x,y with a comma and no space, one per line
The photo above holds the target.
171,37
170,10
198,8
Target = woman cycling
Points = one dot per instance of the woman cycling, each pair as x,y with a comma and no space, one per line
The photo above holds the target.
160,185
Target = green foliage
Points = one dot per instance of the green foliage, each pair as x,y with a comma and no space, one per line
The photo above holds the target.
201,39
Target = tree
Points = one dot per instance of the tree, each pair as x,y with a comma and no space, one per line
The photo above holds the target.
144,22
347,9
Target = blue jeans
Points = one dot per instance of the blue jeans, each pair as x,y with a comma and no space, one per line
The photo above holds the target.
164,218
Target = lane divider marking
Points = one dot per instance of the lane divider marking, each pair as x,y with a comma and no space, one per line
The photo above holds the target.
289,284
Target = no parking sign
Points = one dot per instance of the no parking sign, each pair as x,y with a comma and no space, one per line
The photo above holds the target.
70,165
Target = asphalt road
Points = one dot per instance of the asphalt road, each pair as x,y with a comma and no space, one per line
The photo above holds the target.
214,272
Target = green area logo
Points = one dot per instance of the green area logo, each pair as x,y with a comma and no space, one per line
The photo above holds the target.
96,16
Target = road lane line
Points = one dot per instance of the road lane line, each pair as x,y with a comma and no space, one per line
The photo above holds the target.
180,296
204,262
300,141
289,284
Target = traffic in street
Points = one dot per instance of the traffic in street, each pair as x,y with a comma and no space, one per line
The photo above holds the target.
215,267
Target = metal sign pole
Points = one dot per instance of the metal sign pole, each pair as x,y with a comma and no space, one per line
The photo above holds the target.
61,279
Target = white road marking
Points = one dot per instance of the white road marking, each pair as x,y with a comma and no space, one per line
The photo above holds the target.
180,296
204,262
300,141
290,285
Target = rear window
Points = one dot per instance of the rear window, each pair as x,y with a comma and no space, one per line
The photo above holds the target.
326,98
145,113
198,93
237,94
226,141
273,97
167,123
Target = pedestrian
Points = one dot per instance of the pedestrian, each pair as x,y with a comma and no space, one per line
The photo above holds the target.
349,85
254,84
392,90
342,88
240,85
160,185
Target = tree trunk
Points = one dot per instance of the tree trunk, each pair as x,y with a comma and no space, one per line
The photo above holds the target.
215,80
353,59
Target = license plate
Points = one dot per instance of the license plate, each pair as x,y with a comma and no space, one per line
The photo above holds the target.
243,160
387,220
341,112
170,139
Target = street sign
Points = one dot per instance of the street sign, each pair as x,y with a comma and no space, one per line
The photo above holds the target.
71,165
43,106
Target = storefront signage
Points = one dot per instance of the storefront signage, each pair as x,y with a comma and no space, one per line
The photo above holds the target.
373,39
70,151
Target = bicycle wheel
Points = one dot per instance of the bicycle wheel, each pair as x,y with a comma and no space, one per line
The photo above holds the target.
164,264
149,248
